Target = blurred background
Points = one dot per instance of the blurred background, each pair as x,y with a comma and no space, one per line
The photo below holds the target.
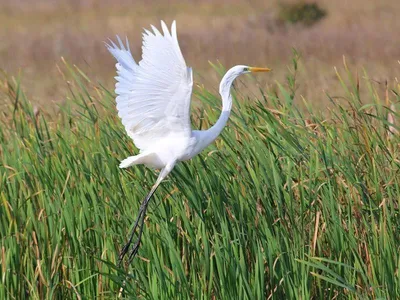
35,34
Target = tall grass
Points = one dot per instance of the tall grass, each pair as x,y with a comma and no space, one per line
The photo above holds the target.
286,204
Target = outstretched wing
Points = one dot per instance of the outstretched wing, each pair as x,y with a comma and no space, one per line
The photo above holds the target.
153,96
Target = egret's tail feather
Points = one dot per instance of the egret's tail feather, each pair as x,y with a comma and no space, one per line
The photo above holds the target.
130,161
149,159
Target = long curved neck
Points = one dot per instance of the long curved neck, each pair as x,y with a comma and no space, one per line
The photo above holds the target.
224,89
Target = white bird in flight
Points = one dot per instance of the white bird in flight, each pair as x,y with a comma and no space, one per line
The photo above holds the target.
153,103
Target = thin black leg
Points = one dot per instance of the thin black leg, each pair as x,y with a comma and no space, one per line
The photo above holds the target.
138,223
140,219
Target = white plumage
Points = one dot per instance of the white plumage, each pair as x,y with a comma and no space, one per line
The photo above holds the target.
154,95
153,103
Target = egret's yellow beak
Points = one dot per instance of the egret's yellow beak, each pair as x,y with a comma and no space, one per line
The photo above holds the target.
252,69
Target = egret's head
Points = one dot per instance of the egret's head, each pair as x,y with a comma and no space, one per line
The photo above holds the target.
233,73
241,69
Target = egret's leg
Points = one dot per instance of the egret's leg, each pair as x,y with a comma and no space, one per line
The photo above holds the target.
140,219
139,222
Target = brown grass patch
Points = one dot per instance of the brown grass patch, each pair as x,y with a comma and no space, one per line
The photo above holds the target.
35,34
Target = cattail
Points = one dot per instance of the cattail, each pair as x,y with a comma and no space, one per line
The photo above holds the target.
390,118
36,112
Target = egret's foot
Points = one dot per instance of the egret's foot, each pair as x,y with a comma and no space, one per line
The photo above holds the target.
123,252
134,251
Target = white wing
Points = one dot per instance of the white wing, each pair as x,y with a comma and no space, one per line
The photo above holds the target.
153,96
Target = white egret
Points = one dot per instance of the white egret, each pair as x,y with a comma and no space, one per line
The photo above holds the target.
153,103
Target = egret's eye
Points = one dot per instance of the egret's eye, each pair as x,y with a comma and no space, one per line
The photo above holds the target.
246,69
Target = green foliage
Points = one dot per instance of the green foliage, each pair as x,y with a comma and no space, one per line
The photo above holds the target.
282,206
304,13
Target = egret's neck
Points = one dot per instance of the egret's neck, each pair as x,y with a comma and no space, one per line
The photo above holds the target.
224,89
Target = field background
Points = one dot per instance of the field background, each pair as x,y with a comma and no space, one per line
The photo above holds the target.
293,201
35,34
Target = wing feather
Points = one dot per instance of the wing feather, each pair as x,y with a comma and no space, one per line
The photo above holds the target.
154,95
